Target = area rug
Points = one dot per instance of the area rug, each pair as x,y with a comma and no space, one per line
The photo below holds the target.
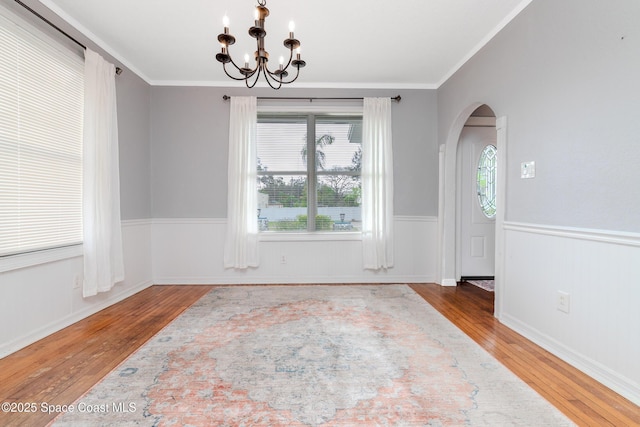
487,285
311,356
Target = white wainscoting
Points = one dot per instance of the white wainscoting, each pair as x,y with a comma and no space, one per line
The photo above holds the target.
37,300
601,272
190,251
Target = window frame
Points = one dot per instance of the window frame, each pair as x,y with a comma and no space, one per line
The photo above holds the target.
310,113
487,194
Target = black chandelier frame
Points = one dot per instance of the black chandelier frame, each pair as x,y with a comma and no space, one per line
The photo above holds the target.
276,78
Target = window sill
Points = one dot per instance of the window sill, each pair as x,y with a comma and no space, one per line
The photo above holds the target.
336,236
15,262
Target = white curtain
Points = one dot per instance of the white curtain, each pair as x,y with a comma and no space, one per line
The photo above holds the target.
377,184
102,235
241,245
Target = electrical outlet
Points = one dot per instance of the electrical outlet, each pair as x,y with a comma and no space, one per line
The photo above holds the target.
563,301
77,282
283,259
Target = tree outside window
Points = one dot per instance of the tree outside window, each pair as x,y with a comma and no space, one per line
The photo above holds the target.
309,172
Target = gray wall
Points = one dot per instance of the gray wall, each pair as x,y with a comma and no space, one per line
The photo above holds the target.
566,75
133,96
189,134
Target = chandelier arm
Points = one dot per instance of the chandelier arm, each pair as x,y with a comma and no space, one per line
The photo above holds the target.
276,78
236,78
248,75
290,58
284,68
295,78
268,76
246,81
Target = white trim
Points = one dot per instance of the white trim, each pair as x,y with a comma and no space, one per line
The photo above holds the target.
135,222
94,38
477,121
507,19
15,262
590,367
189,251
501,212
213,221
300,85
223,221
257,280
440,267
18,261
45,331
415,218
593,235
275,236
447,199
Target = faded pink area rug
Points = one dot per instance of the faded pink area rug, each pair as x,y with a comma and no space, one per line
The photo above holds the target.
311,356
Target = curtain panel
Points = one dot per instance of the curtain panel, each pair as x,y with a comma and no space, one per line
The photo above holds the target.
102,233
377,184
241,241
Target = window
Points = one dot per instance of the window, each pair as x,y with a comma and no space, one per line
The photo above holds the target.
309,172
41,108
486,181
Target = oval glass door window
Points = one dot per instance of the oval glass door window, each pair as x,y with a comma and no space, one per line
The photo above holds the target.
486,181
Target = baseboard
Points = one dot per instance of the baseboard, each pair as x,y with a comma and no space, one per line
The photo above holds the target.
597,371
256,280
449,282
69,320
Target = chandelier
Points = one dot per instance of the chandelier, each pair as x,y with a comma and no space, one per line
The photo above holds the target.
276,78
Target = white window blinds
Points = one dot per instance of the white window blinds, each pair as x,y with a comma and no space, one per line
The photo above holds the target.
41,108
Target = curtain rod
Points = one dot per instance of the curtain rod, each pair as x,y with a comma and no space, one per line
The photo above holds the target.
311,99
118,69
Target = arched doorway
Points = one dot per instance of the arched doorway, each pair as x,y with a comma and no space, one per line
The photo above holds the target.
475,191
448,265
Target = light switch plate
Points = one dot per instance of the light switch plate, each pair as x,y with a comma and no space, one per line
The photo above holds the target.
527,170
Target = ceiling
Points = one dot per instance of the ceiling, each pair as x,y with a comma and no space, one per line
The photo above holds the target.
346,43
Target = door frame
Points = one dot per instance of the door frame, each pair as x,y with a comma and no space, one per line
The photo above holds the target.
447,197
462,204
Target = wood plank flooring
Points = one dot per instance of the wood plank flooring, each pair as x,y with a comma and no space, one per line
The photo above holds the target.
63,366
578,396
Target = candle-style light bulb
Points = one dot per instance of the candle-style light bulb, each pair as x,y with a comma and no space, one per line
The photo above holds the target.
246,60
225,23
256,14
292,26
298,52
281,62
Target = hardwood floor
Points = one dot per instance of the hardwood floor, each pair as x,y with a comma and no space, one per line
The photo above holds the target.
60,368
578,396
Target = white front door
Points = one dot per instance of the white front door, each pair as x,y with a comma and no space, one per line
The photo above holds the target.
477,231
